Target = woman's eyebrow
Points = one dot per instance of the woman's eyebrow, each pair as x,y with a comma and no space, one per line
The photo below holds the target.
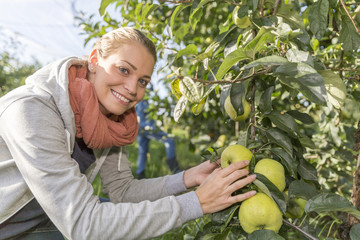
135,68
131,65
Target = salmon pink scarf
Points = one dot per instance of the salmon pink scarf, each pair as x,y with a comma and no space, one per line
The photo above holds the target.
92,125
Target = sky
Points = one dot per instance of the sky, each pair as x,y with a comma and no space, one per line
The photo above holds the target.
46,29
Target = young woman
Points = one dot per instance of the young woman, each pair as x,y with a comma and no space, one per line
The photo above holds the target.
72,120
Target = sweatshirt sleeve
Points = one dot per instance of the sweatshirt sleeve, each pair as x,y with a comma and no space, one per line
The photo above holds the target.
34,133
121,186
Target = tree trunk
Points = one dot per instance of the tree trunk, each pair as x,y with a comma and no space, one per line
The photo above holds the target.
355,198
344,229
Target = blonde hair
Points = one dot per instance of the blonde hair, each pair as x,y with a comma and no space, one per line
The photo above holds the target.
111,41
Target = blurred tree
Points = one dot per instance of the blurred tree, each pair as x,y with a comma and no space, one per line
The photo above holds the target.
12,71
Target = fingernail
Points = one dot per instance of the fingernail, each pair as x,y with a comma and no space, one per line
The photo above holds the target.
253,177
252,193
246,162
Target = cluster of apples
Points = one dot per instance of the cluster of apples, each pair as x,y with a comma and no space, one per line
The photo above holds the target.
260,211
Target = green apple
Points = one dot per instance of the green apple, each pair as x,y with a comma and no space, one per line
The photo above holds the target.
273,170
295,207
235,153
230,110
260,212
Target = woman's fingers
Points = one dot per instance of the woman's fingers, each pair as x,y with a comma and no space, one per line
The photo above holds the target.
234,166
241,183
242,197
235,175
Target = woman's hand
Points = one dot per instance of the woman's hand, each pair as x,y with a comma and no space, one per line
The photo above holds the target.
196,175
215,192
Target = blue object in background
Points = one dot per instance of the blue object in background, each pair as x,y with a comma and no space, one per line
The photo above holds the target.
147,132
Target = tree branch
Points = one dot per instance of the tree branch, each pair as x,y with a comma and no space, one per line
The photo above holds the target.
227,81
345,69
347,12
300,230
276,6
232,3
174,1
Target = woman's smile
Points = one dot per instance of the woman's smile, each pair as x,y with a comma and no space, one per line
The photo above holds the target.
120,97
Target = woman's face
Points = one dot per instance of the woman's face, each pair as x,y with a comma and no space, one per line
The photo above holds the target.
120,79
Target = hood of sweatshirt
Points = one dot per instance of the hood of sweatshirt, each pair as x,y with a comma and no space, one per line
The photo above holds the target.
52,80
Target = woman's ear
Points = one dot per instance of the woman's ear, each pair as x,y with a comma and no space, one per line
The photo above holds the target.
93,60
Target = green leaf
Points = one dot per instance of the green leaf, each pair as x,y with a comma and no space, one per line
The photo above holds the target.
302,189
264,235
306,141
305,79
331,202
192,90
223,217
175,88
190,49
272,60
197,108
104,4
180,108
335,88
265,105
302,117
197,11
267,187
279,138
290,163
318,14
259,43
295,55
285,122
291,16
176,12
195,18
349,38
147,10
229,61
181,32
248,52
237,93
355,232
307,171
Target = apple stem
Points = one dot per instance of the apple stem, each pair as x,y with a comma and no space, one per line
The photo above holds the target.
300,230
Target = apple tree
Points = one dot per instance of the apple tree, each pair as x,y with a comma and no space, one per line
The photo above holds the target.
296,63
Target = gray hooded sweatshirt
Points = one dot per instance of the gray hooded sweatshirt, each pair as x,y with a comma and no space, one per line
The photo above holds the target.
37,135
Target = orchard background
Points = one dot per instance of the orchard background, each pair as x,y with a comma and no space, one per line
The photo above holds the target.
297,64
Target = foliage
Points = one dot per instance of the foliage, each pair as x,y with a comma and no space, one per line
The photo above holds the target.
13,72
296,62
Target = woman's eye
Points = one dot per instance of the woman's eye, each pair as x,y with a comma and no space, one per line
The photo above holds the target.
143,82
124,70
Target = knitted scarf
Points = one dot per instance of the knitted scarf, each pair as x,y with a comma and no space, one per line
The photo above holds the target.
92,125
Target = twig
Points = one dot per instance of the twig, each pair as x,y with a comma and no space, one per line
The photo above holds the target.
347,12
252,120
261,8
276,6
300,230
232,3
227,81
182,1
345,69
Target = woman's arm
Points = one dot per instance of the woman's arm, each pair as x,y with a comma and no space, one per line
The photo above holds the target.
121,186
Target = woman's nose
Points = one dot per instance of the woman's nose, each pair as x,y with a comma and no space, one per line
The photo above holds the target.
131,86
